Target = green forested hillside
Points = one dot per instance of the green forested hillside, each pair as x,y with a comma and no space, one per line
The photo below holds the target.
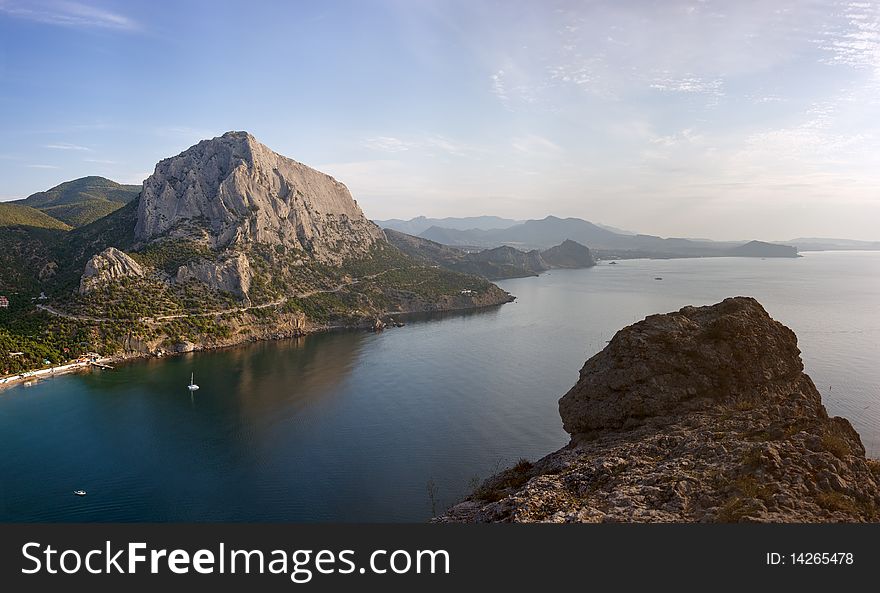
17,214
82,201
289,291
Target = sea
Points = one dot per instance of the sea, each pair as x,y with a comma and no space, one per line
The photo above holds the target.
395,426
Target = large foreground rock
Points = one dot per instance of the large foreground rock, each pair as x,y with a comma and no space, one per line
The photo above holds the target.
704,414
689,360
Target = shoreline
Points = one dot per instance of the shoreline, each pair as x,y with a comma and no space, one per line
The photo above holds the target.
54,371
81,366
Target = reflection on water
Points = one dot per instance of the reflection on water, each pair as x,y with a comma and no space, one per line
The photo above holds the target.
351,426
488,313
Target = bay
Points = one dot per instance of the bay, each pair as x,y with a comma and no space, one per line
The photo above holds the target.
395,426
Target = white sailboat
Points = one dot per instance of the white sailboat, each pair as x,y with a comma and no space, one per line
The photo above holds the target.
192,386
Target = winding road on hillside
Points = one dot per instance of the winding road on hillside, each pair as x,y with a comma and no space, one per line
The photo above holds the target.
276,303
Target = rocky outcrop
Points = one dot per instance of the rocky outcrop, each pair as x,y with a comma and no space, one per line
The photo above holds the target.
183,347
529,261
704,414
568,254
232,191
690,360
231,274
762,249
108,265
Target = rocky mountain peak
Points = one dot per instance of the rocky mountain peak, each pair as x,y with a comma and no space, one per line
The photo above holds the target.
232,190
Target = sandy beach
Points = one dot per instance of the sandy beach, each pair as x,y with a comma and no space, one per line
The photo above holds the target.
38,374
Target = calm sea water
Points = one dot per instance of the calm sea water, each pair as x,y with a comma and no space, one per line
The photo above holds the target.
355,426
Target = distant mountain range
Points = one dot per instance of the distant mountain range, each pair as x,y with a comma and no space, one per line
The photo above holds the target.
419,224
484,232
825,244
81,201
606,243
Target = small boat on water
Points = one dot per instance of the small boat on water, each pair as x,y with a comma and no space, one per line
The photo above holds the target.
192,386
79,492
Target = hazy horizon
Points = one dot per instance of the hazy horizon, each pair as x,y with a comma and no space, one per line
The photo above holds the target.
688,119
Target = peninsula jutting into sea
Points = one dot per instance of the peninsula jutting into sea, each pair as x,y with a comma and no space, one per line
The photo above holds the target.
226,243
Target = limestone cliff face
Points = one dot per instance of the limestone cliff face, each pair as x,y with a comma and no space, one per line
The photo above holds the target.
106,266
232,190
231,274
704,414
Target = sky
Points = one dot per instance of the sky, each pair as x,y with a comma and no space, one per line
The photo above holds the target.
699,118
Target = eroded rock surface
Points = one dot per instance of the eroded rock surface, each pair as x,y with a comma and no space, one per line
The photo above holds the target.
108,265
231,274
232,190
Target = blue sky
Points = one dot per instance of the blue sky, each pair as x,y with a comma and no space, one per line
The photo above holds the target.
693,118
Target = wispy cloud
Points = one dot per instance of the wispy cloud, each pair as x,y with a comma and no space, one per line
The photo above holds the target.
581,61
449,146
686,145
764,99
101,161
66,146
812,142
856,42
499,88
386,180
689,84
580,74
67,14
515,87
609,54
427,143
385,188
42,167
686,136
534,145
387,144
